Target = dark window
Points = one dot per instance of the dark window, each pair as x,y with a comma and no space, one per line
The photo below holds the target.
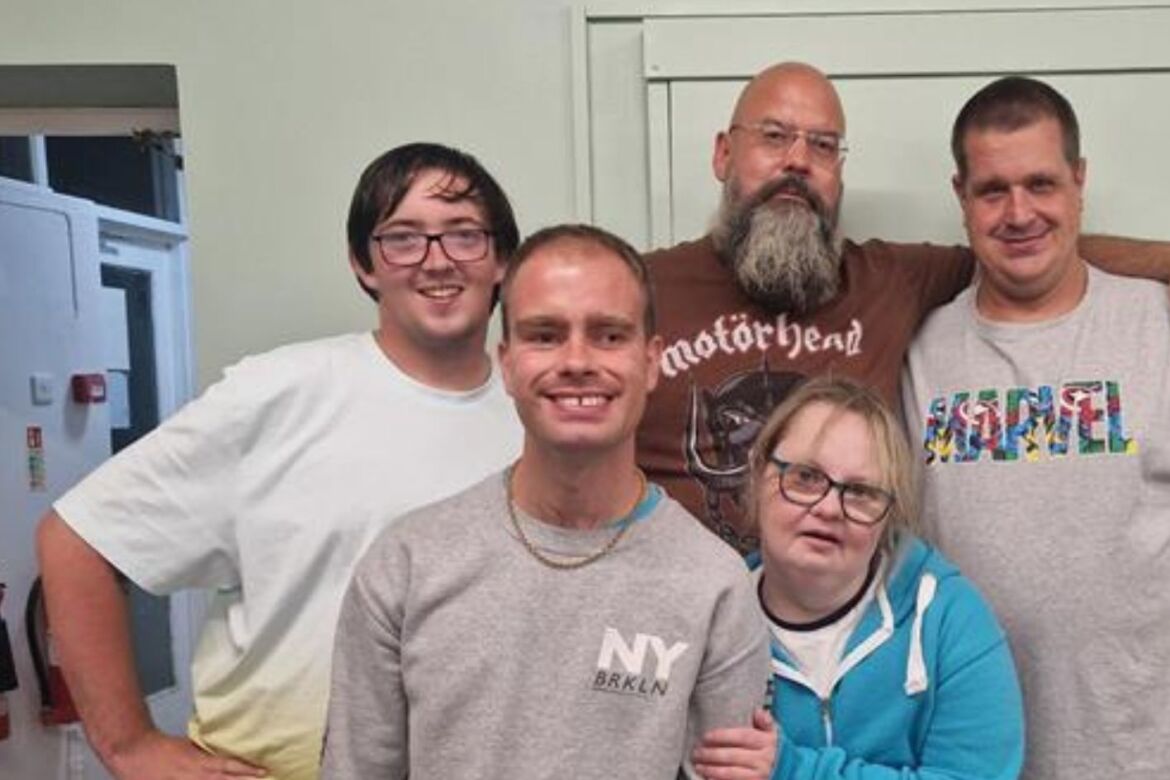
122,172
15,157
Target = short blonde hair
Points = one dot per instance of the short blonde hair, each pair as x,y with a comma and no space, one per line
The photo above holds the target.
898,474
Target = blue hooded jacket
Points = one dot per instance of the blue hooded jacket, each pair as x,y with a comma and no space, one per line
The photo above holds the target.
926,689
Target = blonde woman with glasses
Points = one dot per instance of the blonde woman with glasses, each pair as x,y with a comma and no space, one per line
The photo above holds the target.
886,662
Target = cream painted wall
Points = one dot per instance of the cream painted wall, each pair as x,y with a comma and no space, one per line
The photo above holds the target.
283,102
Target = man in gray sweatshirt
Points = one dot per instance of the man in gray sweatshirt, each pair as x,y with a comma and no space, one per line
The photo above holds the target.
1040,397
563,618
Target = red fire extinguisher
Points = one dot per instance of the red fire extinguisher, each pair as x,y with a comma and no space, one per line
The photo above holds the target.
57,706
7,673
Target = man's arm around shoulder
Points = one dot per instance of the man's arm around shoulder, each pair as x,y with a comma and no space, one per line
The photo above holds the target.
91,633
1127,256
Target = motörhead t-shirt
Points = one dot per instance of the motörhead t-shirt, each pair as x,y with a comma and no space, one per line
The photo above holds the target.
727,362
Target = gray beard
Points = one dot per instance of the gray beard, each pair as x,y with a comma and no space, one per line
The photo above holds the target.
782,254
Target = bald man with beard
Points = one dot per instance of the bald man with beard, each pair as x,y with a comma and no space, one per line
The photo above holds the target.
773,294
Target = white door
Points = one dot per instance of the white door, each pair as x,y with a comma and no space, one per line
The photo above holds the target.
158,263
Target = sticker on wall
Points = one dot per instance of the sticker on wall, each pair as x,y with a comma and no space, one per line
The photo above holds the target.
36,459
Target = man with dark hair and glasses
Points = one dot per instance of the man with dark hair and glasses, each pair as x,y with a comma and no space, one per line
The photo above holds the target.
268,487
1040,400
773,294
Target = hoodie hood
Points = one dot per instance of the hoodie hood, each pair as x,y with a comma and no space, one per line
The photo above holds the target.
913,559
905,594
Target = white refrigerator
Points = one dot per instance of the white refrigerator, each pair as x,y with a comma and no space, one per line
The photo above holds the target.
58,328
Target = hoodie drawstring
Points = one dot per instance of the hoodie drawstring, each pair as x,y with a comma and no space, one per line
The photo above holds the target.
916,679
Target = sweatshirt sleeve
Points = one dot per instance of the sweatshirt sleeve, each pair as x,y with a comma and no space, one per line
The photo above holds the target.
975,728
366,731
734,675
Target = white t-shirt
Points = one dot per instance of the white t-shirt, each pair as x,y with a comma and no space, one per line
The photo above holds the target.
818,653
266,489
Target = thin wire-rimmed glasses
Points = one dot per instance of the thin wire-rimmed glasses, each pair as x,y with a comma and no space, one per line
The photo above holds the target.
409,247
806,485
823,147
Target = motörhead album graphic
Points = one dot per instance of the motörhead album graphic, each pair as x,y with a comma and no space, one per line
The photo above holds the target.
730,416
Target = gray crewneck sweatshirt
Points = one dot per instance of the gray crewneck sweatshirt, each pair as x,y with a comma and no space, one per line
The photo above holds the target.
1046,451
459,655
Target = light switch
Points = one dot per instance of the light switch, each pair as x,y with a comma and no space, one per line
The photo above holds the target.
41,386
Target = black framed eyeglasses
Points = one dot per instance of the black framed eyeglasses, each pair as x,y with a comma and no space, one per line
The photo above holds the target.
806,485
409,247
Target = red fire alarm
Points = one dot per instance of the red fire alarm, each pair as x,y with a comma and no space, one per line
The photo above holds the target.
89,388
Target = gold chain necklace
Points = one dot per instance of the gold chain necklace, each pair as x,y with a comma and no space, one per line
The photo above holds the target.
574,563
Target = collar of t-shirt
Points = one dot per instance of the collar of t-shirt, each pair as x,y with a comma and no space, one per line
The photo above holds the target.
816,649
644,507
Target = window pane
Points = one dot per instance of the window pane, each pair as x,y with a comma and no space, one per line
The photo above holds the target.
15,157
115,171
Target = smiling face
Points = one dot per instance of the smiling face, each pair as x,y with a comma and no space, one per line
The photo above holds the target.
577,360
1022,202
438,307
796,97
814,558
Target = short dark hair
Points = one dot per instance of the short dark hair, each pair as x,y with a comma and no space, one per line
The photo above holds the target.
1011,103
386,180
586,234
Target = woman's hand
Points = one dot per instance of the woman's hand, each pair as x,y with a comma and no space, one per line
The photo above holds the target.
739,753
